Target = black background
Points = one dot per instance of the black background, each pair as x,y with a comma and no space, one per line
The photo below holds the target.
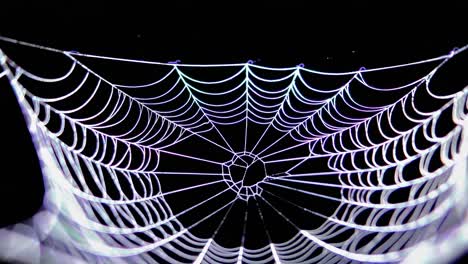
328,38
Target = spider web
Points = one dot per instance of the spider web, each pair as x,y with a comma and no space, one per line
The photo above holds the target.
195,162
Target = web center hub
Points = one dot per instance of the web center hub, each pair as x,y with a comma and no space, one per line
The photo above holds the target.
243,174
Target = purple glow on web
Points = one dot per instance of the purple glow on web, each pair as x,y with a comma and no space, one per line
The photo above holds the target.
187,107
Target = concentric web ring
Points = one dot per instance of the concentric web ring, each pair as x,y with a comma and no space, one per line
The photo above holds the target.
242,163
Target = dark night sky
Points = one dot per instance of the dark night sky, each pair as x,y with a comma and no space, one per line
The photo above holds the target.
271,34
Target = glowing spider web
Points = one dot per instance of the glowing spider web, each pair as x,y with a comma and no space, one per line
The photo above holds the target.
101,145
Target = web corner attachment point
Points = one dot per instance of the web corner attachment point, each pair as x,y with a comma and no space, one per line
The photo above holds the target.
453,51
72,52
